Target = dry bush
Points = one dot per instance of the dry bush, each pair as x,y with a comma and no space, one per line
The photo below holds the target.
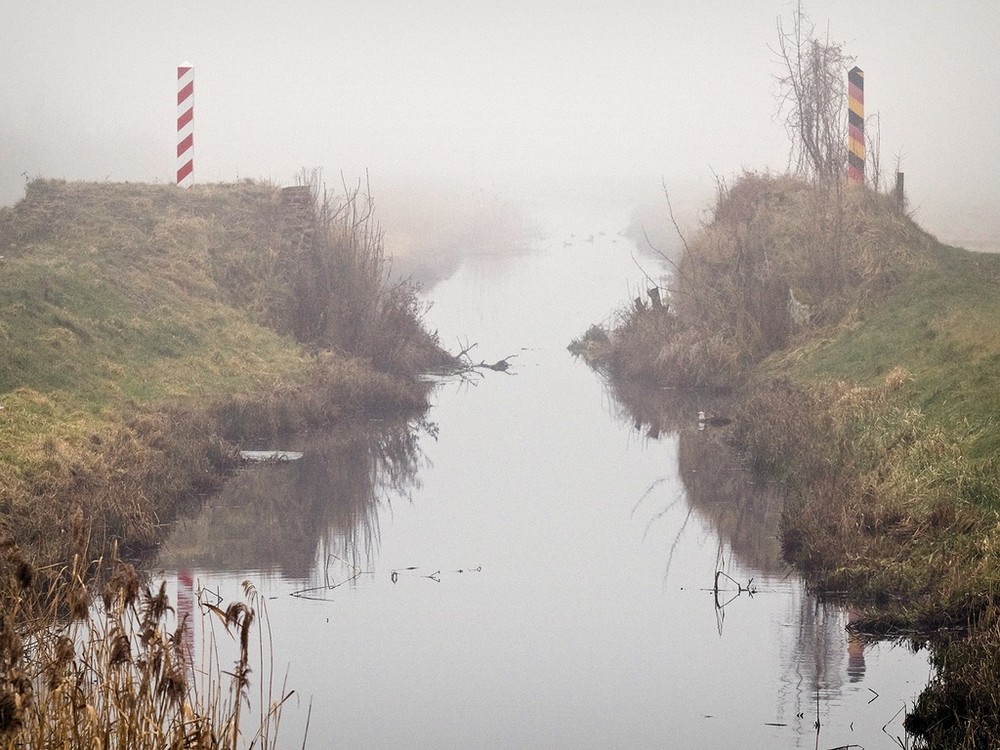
813,98
778,232
345,297
838,250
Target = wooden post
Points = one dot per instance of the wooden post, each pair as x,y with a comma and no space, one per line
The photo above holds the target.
900,193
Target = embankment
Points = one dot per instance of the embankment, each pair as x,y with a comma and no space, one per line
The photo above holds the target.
865,364
148,333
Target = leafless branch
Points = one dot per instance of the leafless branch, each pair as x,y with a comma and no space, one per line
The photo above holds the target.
673,219
812,97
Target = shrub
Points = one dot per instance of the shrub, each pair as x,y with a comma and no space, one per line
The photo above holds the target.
837,250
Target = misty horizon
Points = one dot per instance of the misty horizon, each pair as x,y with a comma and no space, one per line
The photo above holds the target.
609,101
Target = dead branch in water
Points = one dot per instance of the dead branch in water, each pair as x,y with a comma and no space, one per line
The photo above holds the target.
741,589
466,365
718,591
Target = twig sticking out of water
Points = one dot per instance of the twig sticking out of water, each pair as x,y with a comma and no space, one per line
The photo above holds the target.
355,571
435,576
885,730
466,365
720,605
749,589
499,366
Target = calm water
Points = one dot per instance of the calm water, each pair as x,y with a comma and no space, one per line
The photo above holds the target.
532,565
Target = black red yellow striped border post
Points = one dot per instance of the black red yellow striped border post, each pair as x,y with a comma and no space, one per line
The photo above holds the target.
856,125
185,125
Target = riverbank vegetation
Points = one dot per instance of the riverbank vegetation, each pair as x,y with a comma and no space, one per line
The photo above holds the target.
865,374
129,676
149,334
860,353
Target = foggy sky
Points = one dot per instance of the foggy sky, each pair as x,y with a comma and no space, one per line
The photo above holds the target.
601,95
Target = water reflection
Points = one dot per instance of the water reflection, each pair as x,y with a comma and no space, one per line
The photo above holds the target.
745,512
584,614
822,660
278,517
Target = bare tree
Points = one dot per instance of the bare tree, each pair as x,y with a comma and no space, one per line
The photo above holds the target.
812,98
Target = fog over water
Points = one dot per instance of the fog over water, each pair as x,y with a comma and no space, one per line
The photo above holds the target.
605,98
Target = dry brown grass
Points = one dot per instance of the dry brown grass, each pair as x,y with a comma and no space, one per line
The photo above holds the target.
127,476
119,674
344,295
959,709
884,504
840,249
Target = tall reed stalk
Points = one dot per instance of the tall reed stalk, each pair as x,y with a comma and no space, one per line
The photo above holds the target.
119,673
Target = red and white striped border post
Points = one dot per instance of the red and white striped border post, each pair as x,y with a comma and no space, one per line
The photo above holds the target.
185,125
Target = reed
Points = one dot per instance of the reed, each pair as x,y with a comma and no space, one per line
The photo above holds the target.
118,673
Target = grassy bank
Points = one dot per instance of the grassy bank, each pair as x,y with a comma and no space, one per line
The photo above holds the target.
865,363
148,334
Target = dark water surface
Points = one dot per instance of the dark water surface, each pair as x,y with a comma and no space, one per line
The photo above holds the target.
532,565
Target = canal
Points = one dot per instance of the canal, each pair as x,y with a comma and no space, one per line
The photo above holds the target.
540,561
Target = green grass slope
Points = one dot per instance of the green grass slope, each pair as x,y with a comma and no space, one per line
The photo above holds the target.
147,331
110,295
942,326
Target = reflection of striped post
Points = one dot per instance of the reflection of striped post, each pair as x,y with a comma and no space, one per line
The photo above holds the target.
185,125
185,612
856,125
